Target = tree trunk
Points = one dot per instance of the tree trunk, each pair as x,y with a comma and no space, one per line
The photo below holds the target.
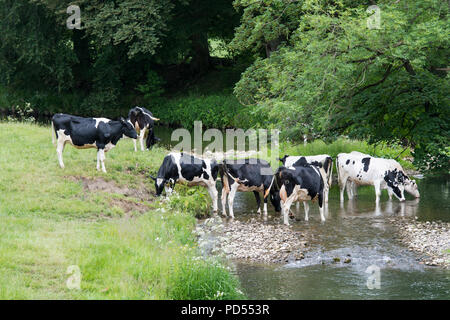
200,53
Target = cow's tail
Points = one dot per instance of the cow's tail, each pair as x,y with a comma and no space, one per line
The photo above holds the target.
53,134
223,172
330,170
337,170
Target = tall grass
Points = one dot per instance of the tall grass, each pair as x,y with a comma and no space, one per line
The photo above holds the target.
50,220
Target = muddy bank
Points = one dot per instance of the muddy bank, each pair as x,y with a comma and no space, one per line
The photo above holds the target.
252,240
127,204
431,240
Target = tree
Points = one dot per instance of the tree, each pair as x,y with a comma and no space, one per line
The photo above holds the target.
334,76
33,47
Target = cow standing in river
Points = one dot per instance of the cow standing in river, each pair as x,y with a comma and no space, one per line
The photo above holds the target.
83,133
362,169
321,161
246,175
299,183
143,122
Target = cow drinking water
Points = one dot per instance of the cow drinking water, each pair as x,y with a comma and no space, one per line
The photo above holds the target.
83,133
363,169
187,168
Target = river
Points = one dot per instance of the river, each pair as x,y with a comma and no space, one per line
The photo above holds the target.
358,232
362,234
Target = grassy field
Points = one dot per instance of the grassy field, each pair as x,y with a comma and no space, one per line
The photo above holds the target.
126,244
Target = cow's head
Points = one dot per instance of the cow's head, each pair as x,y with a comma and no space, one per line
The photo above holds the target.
128,129
281,179
275,199
283,160
395,180
159,185
411,187
151,138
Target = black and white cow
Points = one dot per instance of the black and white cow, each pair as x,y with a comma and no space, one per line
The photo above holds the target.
299,183
143,122
245,175
83,133
363,169
187,168
322,161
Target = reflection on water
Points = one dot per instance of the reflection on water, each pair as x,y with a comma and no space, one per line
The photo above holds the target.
361,234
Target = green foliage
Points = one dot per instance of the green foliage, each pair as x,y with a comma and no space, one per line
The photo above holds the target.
153,88
135,23
218,110
22,113
193,200
332,75
34,47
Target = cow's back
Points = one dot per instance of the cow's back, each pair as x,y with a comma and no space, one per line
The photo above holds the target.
364,169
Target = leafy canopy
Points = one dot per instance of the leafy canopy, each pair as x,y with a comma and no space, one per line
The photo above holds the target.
332,75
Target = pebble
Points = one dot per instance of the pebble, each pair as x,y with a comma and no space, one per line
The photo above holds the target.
430,239
254,240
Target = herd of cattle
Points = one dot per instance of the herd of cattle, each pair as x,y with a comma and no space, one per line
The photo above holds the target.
299,179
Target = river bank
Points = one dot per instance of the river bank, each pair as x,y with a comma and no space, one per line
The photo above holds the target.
252,240
431,240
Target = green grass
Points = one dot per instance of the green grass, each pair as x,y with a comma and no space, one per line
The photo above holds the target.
50,221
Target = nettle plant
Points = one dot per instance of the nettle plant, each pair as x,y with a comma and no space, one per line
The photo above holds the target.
22,113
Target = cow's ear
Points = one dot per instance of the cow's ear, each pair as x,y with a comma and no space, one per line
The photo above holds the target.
122,120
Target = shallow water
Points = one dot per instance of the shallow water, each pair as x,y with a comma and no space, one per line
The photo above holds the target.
362,233
358,231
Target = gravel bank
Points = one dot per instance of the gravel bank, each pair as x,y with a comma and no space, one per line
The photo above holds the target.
251,240
430,239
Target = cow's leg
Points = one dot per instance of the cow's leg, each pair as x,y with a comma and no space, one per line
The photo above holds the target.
233,190
141,139
258,201
98,161
377,186
101,156
349,189
354,189
390,193
286,209
342,184
214,195
224,200
321,205
135,145
265,206
59,152
326,190
306,205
